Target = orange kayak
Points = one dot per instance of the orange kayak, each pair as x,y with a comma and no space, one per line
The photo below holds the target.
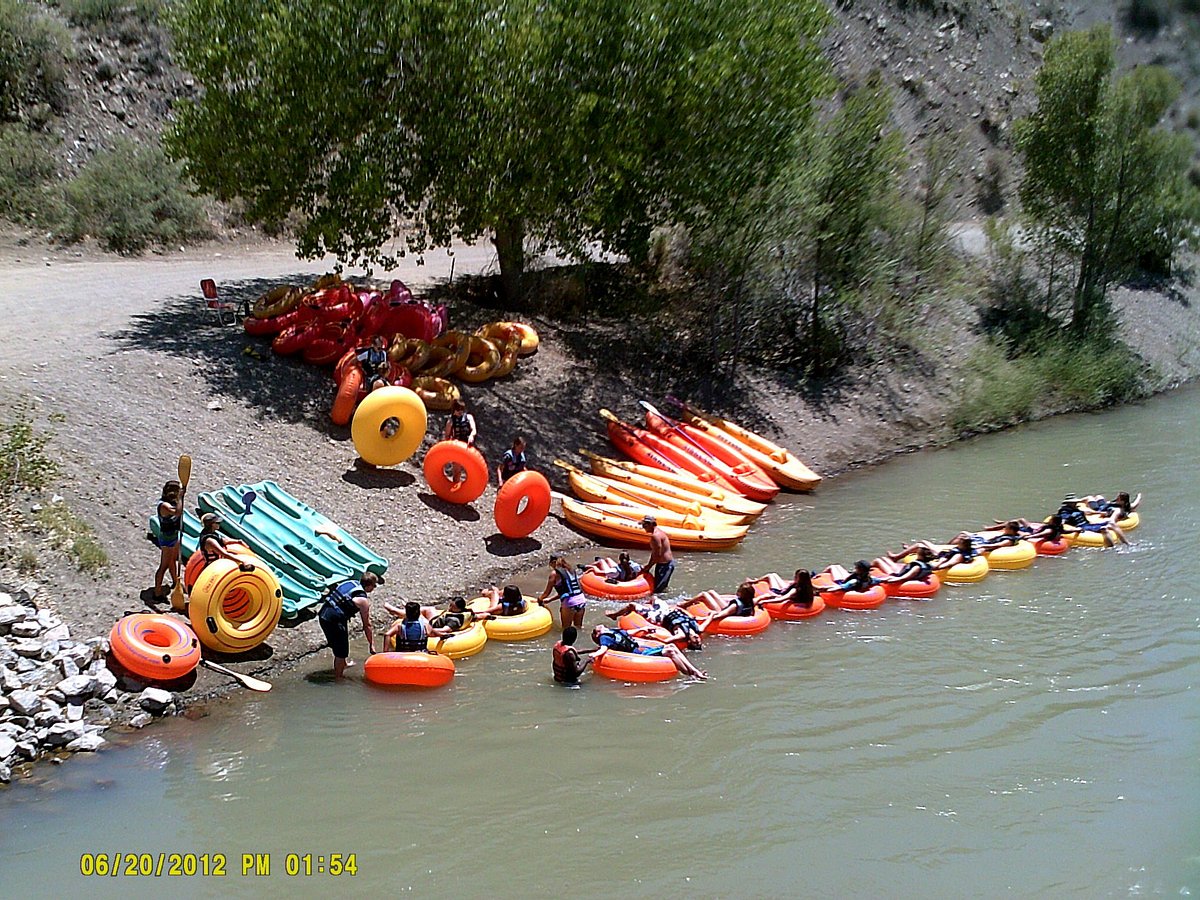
622,524
749,479
651,450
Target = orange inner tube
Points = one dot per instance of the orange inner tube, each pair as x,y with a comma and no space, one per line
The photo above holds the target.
437,467
634,667
868,599
346,399
529,487
732,626
595,584
393,669
159,648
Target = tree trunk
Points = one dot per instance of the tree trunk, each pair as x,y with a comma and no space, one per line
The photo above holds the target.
510,250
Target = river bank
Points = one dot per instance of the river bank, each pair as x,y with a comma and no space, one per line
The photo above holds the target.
121,364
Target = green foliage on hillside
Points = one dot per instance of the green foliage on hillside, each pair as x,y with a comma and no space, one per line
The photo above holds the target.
130,198
559,122
1106,190
33,48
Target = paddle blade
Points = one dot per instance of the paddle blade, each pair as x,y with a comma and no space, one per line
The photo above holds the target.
185,469
177,596
246,681
248,499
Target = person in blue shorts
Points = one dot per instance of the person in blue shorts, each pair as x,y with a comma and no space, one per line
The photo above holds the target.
622,641
170,521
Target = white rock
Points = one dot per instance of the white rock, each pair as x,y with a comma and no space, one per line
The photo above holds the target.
7,599
155,700
106,680
63,733
27,703
87,743
10,615
50,716
5,774
78,686
25,629
67,666
8,747
141,720
59,632
35,649
74,712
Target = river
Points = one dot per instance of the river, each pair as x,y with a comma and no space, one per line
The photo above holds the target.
1031,735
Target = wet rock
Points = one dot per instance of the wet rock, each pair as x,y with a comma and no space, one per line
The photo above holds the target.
25,702
155,701
87,743
27,748
5,774
79,686
141,720
8,747
63,733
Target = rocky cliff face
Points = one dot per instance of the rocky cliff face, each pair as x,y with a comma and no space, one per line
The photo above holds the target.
962,68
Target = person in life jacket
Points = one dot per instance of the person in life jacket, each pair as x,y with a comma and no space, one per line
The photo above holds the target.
443,623
565,583
342,603
211,542
372,357
623,642
919,568
682,625
508,602
459,427
411,634
742,604
512,462
568,662
169,514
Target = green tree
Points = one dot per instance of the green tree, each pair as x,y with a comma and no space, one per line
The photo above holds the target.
563,121
845,187
1105,185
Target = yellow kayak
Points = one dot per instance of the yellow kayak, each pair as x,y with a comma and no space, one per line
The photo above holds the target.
786,470
623,524
684,486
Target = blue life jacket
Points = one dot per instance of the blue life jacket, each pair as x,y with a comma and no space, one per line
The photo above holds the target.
618,639
568,585
411,638
339,602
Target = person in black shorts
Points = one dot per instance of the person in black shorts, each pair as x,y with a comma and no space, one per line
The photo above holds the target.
342,603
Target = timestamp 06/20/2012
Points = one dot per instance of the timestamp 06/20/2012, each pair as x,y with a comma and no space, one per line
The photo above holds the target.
122,864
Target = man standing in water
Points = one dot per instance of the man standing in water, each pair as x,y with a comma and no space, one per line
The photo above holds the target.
661,562
342,603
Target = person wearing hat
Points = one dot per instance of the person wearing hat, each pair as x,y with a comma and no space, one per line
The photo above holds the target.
211,543
661,562
343,602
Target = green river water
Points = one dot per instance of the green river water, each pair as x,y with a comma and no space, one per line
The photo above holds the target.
1032,735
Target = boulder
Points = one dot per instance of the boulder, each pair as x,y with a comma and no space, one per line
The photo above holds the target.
8,747
1041,30
59,632
25,702
27,748
67,666
11,615
35,649
49,716
155,701
87,743
141,720
63,733
79,686
25,629
105,679
74,712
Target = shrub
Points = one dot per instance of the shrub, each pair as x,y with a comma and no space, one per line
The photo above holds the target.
1000,391
133,197
33,48
26,165
23,461
93,13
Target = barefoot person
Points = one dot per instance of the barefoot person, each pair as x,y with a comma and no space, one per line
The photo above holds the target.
617,639
661,562
342,604
459,427
170,521
562,581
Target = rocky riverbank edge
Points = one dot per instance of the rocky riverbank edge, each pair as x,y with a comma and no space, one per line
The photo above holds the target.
57,693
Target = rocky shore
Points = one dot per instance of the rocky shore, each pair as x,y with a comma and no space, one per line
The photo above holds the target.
57,694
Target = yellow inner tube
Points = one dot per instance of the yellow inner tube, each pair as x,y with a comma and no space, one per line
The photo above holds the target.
412,353
510,351
234,611
483,356
372,414
534,622
277,301
461,644
447,354
435,393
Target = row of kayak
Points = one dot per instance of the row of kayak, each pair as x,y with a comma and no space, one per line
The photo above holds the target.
703,478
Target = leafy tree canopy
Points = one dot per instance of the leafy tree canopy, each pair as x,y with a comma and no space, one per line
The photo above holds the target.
567,120
1104,182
